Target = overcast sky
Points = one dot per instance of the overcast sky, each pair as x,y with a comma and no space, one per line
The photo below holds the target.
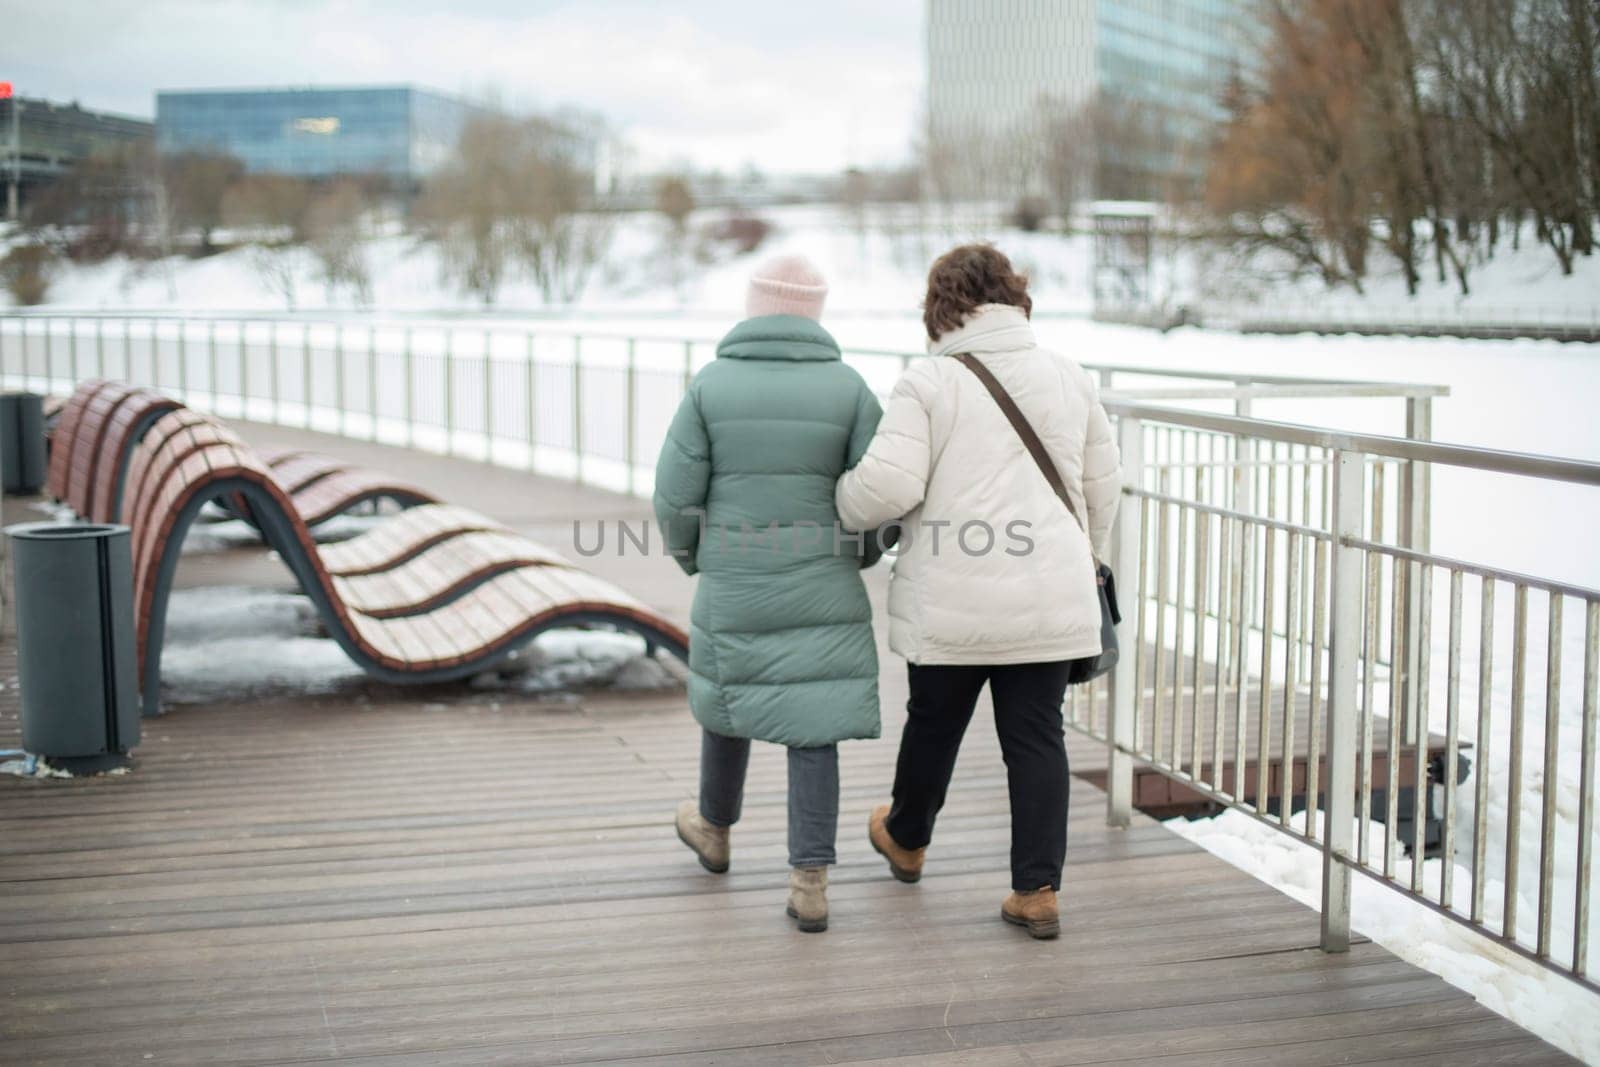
810,85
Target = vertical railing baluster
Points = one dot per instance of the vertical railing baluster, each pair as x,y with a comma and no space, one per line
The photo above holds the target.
1452,727
1139,645
408,357
1126,680
1291,673
1224,618
1591,669
211,363
531,398
1369,713
1179,591
449,391
577,408
338,380
1396,735
1319,626
1345,630
630,401
488,396
1264,683
372,381
1244,493
1480,751
1158,677
1202,588
1241,639
1419,767
305,372
1548,787
1519,665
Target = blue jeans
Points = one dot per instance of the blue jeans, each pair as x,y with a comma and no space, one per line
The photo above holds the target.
813,794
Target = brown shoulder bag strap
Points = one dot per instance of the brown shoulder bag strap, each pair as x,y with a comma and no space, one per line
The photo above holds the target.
1019,422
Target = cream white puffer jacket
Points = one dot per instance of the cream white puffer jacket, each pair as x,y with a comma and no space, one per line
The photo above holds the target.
947,463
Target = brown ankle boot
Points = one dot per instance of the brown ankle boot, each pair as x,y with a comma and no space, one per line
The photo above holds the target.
808,898
904,863
1036,909
709,843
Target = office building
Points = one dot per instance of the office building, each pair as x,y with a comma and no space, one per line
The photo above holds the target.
40,139
1140,82
399,134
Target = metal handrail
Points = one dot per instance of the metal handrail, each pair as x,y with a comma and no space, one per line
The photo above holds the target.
1245,383
1485,459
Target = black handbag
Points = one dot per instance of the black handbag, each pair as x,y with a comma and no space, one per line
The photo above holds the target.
1090,667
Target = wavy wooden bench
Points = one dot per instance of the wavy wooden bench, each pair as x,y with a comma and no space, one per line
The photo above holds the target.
448,610
102,420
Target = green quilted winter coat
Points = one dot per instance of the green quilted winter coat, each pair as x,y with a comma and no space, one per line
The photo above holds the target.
780,636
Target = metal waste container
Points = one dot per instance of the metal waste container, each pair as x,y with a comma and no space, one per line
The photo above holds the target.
22,442
75,642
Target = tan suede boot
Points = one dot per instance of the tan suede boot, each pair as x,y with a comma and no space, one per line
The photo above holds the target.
1037,910
808,898
709,843
904,863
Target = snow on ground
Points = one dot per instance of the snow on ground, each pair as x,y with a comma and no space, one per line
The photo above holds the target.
1555,1008
875,263
1516,285
230,643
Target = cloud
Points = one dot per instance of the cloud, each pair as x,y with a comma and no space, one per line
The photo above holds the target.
708,82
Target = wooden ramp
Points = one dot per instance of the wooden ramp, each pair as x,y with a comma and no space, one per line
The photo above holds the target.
455,876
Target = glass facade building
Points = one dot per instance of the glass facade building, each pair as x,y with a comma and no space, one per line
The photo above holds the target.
398,133
1152,72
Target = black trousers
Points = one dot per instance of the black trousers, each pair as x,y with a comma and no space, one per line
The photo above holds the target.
1027,716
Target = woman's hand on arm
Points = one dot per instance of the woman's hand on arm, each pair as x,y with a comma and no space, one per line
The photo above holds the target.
892,475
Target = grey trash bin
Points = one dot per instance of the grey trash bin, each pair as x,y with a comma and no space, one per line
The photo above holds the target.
22,442
75,642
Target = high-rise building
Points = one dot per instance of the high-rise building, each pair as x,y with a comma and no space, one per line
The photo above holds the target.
1116,97
397,133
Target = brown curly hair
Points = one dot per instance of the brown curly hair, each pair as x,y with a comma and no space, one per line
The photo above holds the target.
965,278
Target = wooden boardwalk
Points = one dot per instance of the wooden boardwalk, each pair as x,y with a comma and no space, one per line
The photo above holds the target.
446,875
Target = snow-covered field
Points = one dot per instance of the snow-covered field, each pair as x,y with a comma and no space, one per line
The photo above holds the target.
877,260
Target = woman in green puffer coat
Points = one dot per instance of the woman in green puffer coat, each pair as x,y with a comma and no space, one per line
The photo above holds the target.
781,646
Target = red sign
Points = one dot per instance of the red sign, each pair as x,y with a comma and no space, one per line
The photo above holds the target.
5,90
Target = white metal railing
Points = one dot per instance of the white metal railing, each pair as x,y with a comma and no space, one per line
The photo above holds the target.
1289,666
1279,579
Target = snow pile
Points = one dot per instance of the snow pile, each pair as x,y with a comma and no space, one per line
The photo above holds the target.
223,534
226,643
560,660
1555,1008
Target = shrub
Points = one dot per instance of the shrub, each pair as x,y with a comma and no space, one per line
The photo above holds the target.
26,270
1029,214
745,233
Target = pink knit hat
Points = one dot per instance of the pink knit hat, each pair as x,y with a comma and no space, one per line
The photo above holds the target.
787,285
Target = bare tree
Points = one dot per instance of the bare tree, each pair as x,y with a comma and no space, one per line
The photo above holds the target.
195,184
520,196
336,236
268,207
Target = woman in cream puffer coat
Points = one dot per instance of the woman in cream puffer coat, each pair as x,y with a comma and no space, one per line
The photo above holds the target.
995,580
